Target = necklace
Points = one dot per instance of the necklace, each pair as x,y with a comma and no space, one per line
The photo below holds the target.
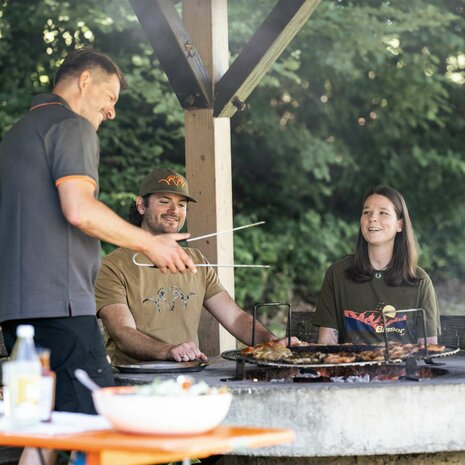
378,273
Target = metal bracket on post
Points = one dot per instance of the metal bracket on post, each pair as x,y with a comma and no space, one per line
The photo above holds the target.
240,369
411,369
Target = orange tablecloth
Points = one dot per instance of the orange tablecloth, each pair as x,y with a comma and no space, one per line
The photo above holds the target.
109,447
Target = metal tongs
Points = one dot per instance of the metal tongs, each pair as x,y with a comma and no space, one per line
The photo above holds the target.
217,265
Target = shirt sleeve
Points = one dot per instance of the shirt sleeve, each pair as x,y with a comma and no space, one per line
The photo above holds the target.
429,302
110,287
326,309
73,150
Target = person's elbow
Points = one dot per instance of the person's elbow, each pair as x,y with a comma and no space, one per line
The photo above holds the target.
119,336
78,215
76,203
73,216
122,345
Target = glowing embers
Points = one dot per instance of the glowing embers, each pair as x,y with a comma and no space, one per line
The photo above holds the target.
345,374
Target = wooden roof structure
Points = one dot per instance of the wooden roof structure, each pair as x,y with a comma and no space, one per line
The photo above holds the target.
193,51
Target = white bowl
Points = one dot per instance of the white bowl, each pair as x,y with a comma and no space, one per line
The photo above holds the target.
156,414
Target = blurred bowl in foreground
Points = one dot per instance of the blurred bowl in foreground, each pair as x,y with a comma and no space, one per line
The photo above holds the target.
133,412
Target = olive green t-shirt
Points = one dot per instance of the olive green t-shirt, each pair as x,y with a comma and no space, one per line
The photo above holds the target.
166,307
350,307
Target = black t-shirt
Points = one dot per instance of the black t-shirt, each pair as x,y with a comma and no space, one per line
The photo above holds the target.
351,307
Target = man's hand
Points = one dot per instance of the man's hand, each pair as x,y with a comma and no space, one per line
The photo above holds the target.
168,255
187,351
82,210
284,340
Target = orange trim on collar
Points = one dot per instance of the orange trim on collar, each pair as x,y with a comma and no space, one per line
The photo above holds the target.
45,104
75,178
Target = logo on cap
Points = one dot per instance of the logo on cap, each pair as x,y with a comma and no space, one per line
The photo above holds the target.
173,180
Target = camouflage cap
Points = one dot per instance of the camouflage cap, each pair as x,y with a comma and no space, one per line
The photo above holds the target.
165,180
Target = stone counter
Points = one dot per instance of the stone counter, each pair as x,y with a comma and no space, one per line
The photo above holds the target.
334,419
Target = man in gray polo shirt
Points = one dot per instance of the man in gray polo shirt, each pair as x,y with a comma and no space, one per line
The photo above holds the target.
51,220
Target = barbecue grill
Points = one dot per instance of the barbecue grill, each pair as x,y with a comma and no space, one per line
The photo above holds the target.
408,364
408,368
336,421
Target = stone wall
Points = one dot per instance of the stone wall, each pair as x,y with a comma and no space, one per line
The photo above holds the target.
440,458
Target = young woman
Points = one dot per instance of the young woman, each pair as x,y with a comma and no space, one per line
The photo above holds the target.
382,272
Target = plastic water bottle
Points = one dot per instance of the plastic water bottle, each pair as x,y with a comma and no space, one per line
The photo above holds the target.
21,379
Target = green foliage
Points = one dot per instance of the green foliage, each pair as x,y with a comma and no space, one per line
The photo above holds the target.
298,259
368,92
36,35
376,100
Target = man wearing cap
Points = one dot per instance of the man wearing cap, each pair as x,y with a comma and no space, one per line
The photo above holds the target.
151,316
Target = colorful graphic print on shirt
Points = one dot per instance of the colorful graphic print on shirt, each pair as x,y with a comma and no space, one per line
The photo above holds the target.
367,327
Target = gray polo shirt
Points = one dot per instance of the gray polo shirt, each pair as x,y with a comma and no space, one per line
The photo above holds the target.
47,266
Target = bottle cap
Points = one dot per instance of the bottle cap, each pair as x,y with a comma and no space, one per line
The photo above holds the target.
25,331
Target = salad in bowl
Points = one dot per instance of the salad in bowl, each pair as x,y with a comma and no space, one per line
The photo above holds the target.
175,406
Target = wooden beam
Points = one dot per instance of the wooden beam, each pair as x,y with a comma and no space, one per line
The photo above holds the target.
208,162
175,51
258,55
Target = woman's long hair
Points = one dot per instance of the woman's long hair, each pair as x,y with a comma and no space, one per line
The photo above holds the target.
403,264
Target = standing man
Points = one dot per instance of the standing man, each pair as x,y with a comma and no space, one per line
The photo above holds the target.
51,223
151,316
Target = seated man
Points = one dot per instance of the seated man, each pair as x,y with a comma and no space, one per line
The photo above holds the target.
149,315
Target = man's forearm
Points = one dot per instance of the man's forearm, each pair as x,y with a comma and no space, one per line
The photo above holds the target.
242,330
142,347
235,320
82,210
98,220
263,335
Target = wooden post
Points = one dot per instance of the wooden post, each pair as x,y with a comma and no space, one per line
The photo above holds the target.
208,160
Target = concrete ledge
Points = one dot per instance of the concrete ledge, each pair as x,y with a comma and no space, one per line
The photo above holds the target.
443,458
345,420
361,420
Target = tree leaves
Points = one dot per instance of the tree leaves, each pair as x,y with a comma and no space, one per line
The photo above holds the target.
369,92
